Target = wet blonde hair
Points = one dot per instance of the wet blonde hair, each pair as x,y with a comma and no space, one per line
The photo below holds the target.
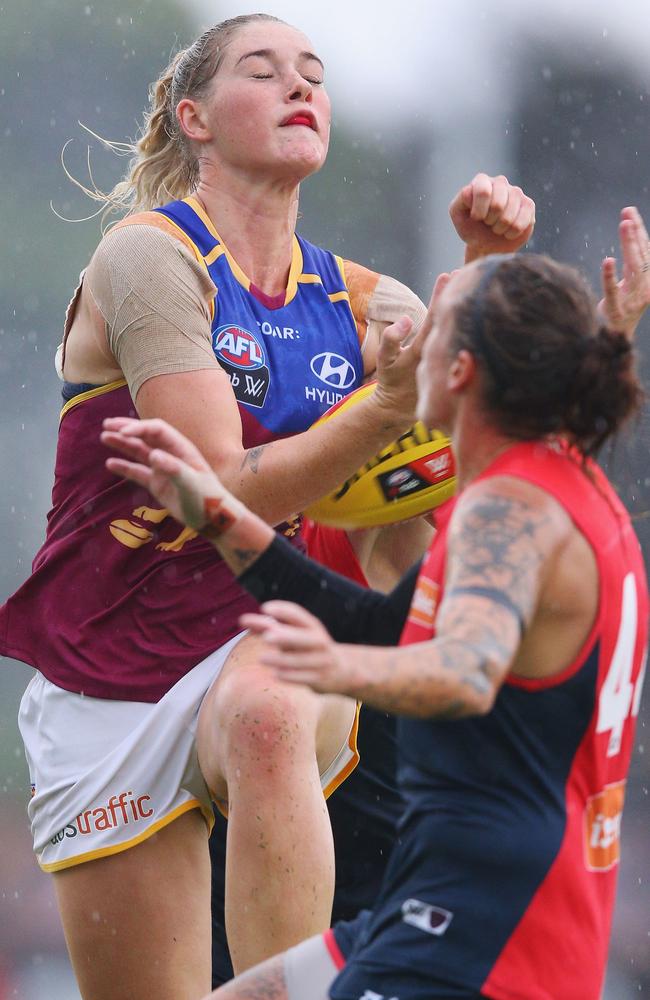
163,165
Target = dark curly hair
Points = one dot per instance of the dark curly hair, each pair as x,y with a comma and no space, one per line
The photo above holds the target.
549,365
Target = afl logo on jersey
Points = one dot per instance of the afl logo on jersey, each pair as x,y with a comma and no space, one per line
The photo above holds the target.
333,370
238,347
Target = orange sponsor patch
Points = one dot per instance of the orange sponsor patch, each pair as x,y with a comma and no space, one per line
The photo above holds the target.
603,814
425,603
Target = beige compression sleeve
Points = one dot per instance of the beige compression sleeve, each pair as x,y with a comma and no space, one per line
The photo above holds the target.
155,297
377,299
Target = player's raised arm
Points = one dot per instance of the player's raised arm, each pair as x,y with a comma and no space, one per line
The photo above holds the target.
491,215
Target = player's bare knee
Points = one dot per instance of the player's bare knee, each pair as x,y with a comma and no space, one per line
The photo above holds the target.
264,723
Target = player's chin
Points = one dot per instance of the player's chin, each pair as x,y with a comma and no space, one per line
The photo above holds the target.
425,412
303,156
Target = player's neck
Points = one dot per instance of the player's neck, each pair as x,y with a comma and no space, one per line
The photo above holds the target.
476,443
257,223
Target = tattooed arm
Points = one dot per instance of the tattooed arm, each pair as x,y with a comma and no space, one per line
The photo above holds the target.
503,538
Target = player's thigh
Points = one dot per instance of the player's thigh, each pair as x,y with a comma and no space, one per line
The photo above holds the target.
137,923
247,710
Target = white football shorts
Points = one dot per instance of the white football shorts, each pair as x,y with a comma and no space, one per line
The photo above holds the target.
106,775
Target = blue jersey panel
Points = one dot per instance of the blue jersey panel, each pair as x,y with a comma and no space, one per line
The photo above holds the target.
286,365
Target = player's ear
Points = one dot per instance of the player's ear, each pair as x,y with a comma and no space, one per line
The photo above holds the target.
193,120
461,371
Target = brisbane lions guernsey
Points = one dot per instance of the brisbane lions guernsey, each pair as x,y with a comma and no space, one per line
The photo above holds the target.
123,600
524,805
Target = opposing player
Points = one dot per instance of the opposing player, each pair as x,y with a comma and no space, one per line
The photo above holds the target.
367,807
521,660
207,311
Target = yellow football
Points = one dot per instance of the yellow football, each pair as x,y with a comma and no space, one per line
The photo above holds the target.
411,476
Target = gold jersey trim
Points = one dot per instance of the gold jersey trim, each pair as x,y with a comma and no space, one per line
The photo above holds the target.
97,390
296,275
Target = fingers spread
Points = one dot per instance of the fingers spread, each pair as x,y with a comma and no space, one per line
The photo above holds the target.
633,252
611,291
162,461
289,613
255,622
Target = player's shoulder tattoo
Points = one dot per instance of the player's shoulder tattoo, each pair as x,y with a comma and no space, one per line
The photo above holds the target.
499,542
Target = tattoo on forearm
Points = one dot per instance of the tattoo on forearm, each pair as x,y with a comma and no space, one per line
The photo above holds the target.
266,982
253,457
492,594
496,551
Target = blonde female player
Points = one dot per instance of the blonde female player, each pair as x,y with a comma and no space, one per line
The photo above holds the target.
210,313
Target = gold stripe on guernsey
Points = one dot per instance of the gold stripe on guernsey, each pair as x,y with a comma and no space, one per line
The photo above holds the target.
310,279
344,295
295,271
103,852
98,390
197,207
214,254
168,226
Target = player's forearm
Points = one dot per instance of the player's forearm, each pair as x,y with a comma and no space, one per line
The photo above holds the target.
280,479
239,535
441,679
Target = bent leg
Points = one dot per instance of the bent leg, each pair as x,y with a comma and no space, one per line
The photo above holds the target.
137,923
262,745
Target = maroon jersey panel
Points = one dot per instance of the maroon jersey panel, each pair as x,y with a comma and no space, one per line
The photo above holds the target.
123,600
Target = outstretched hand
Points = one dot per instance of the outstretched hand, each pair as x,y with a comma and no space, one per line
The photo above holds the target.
166,463
399,352
492,216
299,648
397,359
625,301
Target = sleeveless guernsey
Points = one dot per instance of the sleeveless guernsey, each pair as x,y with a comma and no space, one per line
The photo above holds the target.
123,600
505,877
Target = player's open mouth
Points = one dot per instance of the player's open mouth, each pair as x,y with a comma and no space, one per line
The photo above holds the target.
300,118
